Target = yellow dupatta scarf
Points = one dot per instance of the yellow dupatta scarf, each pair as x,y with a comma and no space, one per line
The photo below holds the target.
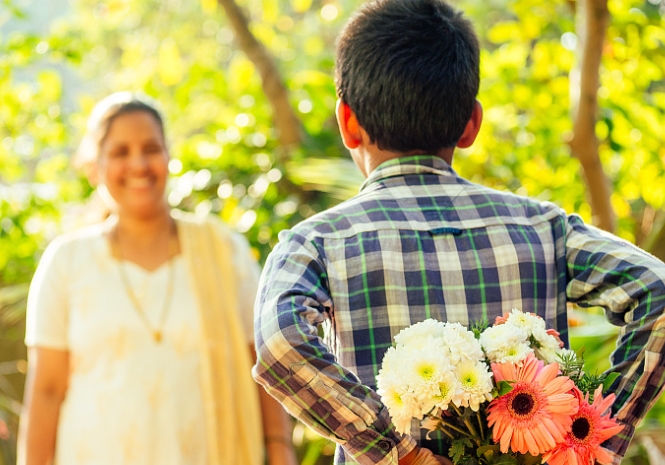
230,395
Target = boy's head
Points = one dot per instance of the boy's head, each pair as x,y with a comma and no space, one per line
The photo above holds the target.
409,70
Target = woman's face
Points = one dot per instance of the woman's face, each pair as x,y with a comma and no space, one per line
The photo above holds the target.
133,163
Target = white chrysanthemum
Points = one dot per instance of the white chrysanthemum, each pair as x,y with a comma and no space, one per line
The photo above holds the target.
415,376
431,425
423,369
526,321
401,405
475,380
391,362
448,387
546,346
505,343
416,334
461,343
395,392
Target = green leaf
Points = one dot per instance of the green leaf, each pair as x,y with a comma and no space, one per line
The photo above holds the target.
487,451
609,379
504,387
505,459
528,459
458,449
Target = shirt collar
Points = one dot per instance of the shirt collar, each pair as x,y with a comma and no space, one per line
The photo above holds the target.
414,164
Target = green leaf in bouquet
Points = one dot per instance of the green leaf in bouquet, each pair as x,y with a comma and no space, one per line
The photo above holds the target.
458,448
477,327
588,383
467,460
572,365
503,387
528,459
505,459
488,451
535,343
609,379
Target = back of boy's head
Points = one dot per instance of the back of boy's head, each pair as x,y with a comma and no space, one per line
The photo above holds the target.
409,70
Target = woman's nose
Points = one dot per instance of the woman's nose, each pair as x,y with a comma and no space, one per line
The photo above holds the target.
138,160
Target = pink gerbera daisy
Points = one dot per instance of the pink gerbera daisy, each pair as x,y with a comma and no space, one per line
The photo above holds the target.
589,429
536,414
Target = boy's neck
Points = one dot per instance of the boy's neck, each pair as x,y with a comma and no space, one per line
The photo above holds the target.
368,158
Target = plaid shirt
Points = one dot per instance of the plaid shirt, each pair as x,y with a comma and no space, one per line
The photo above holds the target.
420,242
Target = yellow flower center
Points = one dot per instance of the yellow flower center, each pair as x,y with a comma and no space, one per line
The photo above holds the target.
444,390
426,372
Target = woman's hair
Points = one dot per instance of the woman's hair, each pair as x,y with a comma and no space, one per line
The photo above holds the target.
409,70
101,118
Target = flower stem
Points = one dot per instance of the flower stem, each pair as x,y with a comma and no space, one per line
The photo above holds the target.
480,425
450,435
453,427
468,424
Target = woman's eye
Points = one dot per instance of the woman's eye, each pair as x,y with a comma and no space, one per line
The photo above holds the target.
152,148
119,152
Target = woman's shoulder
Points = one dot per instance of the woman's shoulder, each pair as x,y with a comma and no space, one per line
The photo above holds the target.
197,225
73,249
80,238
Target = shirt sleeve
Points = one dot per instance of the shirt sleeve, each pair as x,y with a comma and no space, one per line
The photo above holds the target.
629,284
47,314
296,367
248,275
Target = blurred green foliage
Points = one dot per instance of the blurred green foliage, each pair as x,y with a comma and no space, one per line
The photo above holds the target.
226,154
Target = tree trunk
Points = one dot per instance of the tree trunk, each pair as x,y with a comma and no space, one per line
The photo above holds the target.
287,123
655,240
591,25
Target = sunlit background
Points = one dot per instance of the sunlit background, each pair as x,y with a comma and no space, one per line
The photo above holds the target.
249,106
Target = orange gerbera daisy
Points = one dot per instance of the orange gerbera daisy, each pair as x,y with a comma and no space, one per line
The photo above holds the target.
590,428
536,414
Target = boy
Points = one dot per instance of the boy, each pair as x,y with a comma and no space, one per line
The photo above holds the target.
418,241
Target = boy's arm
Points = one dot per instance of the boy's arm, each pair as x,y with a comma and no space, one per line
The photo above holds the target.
629,284
296,367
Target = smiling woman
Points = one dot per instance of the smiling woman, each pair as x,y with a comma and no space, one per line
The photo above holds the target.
133,163
139,328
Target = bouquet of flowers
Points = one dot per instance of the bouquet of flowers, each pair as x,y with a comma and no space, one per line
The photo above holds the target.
507,394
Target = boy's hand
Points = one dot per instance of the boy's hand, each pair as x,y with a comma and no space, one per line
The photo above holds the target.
422,456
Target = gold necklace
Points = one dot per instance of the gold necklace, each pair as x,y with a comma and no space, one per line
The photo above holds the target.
158,332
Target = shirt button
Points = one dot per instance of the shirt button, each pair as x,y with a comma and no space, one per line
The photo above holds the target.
385,445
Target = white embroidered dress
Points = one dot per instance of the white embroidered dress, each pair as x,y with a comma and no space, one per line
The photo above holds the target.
130,400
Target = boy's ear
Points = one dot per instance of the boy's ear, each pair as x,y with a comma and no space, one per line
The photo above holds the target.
348,125
472,127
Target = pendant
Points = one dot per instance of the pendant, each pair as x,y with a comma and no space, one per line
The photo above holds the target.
157,336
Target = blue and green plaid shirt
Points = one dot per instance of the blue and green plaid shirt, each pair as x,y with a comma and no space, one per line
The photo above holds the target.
420,242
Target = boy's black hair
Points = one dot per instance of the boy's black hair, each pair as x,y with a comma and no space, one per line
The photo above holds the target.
409,70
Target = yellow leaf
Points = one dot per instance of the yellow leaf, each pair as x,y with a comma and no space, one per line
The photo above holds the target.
311,77
240,73
171,69
270,11
208,6
231,211
620,206
50,84
301,6
504,32
314,46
